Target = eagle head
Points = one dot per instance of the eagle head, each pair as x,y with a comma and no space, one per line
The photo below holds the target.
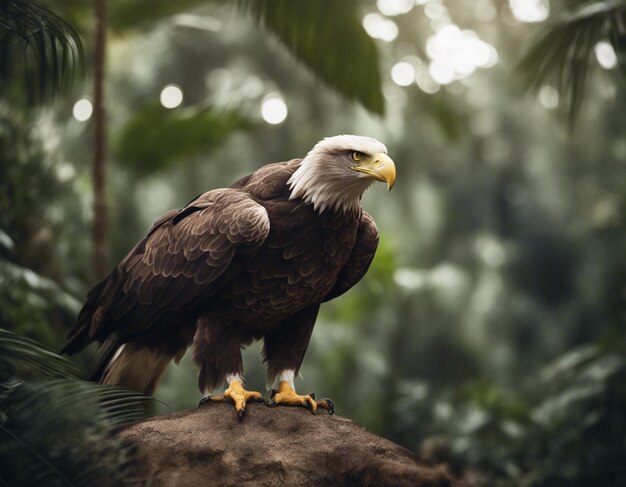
336,172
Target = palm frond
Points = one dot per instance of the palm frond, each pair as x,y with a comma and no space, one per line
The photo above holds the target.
563,54
60,431
64,431
327,36
39,50
17,352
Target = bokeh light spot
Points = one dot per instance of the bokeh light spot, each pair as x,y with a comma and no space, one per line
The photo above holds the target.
549,97
457,53
171,96
395,7
530,10
605,54
82,110
426,83
441,72
273,109
403,73
379,27
435,10
490,250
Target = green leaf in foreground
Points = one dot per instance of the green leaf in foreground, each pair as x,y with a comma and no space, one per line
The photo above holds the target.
327,36
59,431
38,49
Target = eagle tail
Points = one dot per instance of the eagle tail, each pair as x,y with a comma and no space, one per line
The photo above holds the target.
104,356
79,336
128,365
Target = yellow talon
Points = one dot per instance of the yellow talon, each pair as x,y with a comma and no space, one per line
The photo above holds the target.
238,396
287,396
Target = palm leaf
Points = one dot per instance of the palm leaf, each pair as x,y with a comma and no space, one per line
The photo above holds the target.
64,430
563,54
38,50
60,431
327,36
17,352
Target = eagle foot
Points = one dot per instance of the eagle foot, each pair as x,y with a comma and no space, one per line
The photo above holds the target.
286,396
237,395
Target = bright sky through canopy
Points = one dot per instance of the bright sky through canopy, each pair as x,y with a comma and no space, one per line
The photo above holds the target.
457,53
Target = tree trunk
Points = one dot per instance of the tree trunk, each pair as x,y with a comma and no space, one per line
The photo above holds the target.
100,224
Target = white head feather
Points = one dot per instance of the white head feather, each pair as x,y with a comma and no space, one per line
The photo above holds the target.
324,177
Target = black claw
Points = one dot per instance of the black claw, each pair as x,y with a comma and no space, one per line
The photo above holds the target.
260,400
271,403
273,392
331,406
312,395
204,400
240,414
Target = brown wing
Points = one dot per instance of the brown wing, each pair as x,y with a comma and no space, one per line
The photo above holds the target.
270,181
183,260
360,258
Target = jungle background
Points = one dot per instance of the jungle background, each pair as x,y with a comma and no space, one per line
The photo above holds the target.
489,331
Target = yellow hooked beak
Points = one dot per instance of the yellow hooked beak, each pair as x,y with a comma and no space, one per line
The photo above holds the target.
380,167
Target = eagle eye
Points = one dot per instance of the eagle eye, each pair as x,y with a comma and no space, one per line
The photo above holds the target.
357,156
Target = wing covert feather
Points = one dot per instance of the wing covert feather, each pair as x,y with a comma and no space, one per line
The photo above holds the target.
182,259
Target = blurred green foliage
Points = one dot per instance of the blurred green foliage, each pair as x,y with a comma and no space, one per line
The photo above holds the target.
125,16
564,426
157,138
325,35
489,332
40,212
564,52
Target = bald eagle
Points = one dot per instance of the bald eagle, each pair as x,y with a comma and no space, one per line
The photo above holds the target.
253,261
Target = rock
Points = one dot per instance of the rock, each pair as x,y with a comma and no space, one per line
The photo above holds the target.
270,446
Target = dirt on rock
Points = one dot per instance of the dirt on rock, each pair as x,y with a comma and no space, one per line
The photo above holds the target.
270,446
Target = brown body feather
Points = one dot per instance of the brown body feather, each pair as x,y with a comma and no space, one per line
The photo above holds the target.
234,265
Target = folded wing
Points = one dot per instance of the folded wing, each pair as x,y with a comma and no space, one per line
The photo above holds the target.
360,258
185,258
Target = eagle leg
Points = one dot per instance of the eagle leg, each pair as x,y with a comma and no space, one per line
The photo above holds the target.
287,396
237,395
